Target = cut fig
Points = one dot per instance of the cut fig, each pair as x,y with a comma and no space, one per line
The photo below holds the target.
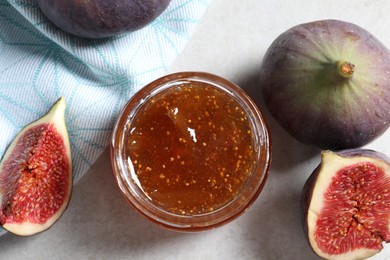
36,175
327,83
346,204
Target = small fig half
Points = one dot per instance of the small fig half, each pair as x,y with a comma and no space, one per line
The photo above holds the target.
327,83
346,204
36,175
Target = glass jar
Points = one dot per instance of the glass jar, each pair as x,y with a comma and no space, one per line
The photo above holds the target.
190,151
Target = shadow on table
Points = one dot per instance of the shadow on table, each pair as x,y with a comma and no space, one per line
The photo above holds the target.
287,152
115,225
274,221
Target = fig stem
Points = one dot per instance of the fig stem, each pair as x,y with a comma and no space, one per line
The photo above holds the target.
345,69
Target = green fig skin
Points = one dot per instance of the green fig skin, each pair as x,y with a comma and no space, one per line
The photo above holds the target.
328,84
101,18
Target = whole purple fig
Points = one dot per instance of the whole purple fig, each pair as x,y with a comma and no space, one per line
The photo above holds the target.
101,18
328,84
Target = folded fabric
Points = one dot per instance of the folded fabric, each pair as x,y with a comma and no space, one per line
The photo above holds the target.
39,63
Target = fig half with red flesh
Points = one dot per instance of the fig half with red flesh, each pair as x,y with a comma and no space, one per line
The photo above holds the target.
36,175
346,204
327,83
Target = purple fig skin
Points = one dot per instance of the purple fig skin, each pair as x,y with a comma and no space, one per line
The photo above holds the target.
307,194
307,191
308,94
102,18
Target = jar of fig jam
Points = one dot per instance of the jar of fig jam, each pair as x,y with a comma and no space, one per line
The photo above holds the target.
190,151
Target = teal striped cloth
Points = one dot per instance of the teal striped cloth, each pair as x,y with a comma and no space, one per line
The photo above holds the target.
39,63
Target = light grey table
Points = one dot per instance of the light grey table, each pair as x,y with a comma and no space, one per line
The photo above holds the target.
230,41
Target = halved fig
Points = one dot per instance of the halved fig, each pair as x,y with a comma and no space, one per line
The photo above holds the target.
36,175
327,83
346,204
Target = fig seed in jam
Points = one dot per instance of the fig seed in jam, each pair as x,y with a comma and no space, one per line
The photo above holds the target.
190,148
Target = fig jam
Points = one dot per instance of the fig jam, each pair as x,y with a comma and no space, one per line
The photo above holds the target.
190,151
190,148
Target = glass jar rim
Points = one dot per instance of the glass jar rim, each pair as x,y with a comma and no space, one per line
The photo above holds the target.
196,222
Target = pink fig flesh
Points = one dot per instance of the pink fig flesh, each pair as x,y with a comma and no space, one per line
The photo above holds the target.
36,175
346,204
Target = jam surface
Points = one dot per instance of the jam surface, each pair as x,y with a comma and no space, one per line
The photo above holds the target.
190,148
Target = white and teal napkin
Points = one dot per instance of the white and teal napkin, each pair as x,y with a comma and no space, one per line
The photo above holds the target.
39,63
